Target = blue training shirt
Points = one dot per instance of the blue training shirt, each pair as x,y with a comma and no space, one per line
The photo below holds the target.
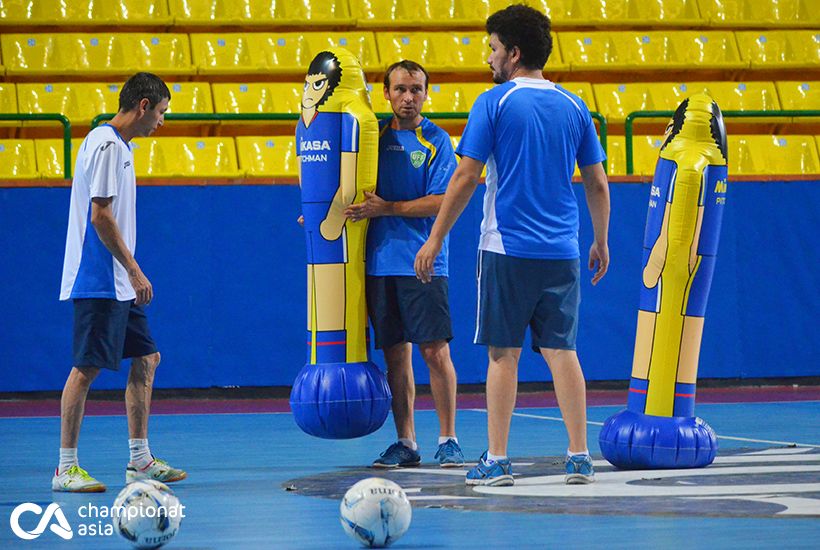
412,164
530,133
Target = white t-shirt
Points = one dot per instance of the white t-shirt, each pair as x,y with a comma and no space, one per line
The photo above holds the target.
104,168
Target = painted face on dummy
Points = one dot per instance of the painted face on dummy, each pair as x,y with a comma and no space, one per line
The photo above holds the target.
151,119
500,60
315,89
407,93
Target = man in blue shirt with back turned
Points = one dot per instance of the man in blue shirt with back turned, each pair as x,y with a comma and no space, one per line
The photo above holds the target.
416,161
530,133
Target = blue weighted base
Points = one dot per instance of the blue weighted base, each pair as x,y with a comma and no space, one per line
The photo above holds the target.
340,400
636,441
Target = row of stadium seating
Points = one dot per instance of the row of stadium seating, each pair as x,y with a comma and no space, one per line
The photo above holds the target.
26,55
394,13
82,101
257,156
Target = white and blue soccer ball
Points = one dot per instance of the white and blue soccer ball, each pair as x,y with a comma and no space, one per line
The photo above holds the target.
375,512
147,513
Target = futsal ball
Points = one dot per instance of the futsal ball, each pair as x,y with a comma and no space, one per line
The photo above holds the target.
375,512
147,513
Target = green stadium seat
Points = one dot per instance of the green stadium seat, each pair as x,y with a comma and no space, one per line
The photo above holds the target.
17,159
50,156
84,12
257,97
267,156
773,155
103,53
759,13
185,157
780,49
261,12
79,101
642,50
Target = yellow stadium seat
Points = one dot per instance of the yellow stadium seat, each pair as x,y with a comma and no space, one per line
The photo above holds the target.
637,50
17,160
582,90
50,157
652,13
104,53
730,96
763,13
84,12
473,89
773,155
446,98
261,12
79,101
799,95
615,156
267,156
780,49
645,151
362,44
8,98
616,101
190,97
185,157
257,97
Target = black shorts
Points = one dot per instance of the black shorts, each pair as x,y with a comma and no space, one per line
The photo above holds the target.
403,309
107,331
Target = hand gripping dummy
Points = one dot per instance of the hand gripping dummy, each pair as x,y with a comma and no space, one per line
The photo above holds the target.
339,393
659,429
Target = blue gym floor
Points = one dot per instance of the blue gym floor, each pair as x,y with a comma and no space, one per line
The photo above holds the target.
239,466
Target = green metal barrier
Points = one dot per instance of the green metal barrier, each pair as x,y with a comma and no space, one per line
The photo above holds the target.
66,133
631,117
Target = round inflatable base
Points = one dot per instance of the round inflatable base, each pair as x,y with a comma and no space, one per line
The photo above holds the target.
340,400
637,441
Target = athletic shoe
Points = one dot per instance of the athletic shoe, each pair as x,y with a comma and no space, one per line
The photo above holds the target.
449,455
398,455
579,470
157,469
75,480
493,473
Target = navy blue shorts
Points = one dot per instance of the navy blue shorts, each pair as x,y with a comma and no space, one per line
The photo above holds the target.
514,293
108,331
403,309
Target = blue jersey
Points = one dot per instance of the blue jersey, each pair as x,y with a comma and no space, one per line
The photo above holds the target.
320,147
530,133
412,164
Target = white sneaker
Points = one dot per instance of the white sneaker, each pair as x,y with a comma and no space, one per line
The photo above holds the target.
157,469
75,480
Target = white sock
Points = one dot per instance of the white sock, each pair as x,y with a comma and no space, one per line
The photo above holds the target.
409,443
495,458
68,458
444,438
570,454
140,453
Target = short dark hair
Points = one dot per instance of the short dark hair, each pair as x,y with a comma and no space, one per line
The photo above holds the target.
525,28
143,86
410,67
326,63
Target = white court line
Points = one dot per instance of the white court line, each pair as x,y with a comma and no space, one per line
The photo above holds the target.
732,438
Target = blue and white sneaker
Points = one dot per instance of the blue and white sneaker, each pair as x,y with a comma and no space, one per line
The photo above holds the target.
398,455
493,473
579,470
449,455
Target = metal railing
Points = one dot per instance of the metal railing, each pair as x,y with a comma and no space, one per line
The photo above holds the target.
631,117
62,119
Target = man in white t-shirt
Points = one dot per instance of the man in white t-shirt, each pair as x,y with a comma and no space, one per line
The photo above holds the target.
107,286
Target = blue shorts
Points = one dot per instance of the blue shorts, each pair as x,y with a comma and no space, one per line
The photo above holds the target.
403,309
514,293
107,331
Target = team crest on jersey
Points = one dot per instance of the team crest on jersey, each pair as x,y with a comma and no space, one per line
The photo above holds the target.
417,158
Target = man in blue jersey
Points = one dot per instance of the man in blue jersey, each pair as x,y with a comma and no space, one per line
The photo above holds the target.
107,286
530,133
416,161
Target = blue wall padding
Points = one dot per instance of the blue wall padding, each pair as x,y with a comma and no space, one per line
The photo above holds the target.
228,268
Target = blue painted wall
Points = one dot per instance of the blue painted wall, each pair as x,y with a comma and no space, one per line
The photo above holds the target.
228,268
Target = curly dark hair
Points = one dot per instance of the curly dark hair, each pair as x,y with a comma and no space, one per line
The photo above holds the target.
525,28
326,63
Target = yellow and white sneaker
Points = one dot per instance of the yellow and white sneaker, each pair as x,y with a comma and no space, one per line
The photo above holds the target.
75,480
157,469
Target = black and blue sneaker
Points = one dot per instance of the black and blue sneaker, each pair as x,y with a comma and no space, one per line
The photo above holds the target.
492,473
449,455
398,455
579,470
